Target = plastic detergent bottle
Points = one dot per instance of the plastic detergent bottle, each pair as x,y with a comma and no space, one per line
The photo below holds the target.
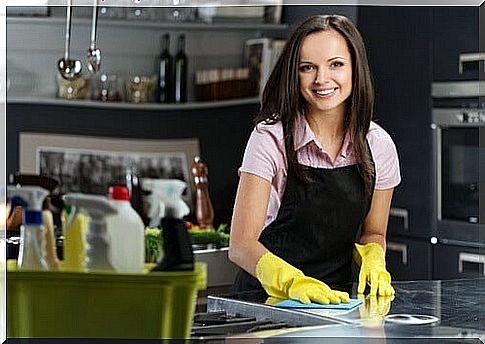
97,239
75,241
127,233
50,241
32,244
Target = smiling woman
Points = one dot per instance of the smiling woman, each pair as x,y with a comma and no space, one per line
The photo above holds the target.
317,176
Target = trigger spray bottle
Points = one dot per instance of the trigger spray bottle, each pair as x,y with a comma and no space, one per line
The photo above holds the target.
97,238
32,244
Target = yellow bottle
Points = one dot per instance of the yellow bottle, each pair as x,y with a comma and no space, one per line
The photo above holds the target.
75,242
50,241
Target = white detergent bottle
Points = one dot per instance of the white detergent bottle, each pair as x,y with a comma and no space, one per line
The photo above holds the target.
97,238
127,233
32,243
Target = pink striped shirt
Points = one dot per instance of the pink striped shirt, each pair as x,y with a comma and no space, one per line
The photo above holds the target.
265,157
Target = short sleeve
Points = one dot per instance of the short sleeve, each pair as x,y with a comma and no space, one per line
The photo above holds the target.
264,154
385,157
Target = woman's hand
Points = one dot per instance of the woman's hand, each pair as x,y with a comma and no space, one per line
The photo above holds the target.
284,281
373,270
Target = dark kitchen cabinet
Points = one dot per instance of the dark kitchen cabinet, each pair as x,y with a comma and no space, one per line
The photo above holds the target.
398,43
408,259
455,32
454,261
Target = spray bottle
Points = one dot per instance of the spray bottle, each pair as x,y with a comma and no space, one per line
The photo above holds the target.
32,243
96,207
164,193
177,247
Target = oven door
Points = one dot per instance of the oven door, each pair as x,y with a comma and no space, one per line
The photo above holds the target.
459,164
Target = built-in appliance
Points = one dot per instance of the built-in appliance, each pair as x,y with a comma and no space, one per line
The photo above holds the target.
458,121
458,125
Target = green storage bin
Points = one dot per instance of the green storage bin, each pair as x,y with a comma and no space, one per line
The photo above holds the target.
102,305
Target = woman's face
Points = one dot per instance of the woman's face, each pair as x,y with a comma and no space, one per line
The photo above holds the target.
325,72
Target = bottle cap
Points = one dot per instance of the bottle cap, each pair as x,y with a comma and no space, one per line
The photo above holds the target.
32,217
119,193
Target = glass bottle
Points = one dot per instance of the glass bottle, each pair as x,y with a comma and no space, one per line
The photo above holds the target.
165,70
181,72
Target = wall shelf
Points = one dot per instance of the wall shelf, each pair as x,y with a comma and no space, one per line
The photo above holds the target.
145,24
194,105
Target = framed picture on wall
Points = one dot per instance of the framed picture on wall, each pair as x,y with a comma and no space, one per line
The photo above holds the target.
90,164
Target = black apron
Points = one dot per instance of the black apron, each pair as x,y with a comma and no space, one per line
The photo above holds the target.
317,225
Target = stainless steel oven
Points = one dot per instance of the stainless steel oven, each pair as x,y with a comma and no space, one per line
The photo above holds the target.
458,123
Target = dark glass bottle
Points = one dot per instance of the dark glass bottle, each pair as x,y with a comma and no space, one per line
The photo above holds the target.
165,72
180,94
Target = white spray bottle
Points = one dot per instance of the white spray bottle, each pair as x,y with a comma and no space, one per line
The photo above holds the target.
32,244
97,238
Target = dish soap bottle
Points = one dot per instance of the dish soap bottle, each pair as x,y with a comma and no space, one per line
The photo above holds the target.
76,226
32,244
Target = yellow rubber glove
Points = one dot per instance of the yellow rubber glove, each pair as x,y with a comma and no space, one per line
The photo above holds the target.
372,262
282,280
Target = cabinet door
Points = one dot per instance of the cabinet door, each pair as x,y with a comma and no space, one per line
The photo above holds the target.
451,261
408,259
455,32
398,43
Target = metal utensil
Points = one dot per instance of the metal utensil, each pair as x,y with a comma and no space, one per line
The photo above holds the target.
68,68
94,54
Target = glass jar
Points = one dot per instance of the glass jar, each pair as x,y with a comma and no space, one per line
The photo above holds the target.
141,89
108,88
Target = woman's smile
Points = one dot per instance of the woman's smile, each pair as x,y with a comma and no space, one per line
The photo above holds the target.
325,93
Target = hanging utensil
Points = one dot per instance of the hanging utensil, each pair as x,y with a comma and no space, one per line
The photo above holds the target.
94,54
68,68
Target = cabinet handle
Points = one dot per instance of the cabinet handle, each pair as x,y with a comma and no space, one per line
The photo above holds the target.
403,213
402,248
464,257
469,57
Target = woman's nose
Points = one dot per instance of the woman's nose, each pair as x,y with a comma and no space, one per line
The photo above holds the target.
321,76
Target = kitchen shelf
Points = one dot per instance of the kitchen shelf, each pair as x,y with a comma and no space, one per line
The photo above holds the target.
132,106
145,24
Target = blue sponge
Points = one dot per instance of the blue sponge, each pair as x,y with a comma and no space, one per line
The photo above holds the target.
296,304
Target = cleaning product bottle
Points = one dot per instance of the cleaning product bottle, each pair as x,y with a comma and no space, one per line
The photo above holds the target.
74,247
50,241
32,244
97,239
127,233
164,192
177,248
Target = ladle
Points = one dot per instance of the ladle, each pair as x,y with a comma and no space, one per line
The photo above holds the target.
68,68
94,54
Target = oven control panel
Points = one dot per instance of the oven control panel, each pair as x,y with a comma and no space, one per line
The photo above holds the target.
471,117
466,117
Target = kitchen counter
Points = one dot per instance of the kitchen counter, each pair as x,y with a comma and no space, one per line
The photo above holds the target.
454,312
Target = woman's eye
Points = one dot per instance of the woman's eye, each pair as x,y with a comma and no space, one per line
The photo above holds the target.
306,68
337,64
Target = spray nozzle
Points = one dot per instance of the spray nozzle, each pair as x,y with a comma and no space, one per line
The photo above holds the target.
96,206
33,196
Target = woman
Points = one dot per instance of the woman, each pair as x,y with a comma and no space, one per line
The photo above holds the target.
317,175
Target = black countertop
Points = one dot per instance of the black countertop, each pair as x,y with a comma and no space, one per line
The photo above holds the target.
453,310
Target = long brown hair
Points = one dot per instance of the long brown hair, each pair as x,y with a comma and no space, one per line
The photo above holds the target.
282,100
